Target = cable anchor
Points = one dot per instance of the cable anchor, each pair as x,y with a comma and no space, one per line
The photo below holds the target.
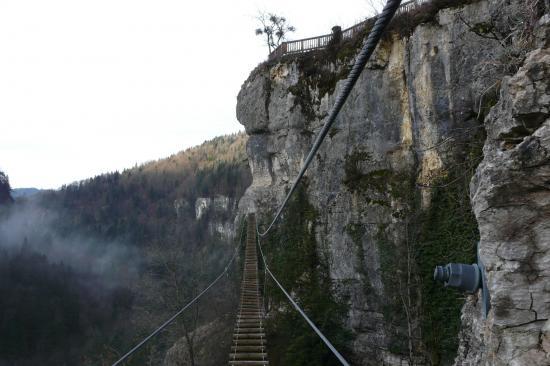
468,278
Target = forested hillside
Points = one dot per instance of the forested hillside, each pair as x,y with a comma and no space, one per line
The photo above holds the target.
144,202
109,258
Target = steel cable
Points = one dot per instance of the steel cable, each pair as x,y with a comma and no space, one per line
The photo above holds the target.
375,34
362,58
173,317
297,307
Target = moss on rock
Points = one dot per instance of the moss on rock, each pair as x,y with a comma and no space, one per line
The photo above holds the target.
302,268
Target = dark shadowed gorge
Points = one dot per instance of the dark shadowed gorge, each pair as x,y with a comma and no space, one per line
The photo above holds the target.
88,270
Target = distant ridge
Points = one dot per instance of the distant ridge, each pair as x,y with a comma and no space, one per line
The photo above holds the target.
23,192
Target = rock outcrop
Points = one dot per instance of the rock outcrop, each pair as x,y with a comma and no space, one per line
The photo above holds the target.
221,212
218,204
408,131
510,194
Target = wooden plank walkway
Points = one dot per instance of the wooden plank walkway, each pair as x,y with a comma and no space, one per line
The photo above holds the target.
249,343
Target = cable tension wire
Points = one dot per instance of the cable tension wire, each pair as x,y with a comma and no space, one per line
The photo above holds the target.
297,307
369,46
173,317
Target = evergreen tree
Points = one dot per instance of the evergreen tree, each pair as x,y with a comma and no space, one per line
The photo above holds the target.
5,189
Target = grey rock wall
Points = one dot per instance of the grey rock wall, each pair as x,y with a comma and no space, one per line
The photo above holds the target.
417,94
222,220
510,194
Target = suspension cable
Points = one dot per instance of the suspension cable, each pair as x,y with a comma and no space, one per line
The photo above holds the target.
297,307
375,34
171,319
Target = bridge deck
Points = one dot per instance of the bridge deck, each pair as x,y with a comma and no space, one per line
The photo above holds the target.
249,343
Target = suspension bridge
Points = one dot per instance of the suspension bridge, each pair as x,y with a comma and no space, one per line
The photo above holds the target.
249,345
249,341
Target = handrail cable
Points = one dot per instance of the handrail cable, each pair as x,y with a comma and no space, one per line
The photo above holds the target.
362,58
297,307
364,55
171,319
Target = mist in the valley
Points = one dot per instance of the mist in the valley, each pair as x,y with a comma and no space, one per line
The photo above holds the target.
63,294
29,226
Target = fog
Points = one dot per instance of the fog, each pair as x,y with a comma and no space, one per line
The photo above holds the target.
35,228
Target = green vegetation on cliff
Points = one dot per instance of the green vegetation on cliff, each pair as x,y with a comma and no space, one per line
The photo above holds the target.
422,317
447,232
300,265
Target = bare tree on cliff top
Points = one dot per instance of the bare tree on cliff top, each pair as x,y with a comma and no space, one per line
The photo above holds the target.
376,6
274,28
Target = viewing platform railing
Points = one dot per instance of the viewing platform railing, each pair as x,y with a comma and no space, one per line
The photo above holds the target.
315,43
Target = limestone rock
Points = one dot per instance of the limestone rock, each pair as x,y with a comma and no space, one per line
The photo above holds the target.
418,93
510,195
202,204
217,204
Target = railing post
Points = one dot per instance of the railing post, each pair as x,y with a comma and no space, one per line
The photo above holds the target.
336,34
304,45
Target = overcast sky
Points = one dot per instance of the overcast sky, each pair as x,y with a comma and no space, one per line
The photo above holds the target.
89,87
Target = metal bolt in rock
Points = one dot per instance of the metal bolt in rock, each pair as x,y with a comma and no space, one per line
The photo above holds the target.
464,277
468,278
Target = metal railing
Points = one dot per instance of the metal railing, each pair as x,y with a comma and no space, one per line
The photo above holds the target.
319,42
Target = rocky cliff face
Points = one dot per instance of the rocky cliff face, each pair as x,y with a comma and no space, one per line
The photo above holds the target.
510,194
389,188
222,211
